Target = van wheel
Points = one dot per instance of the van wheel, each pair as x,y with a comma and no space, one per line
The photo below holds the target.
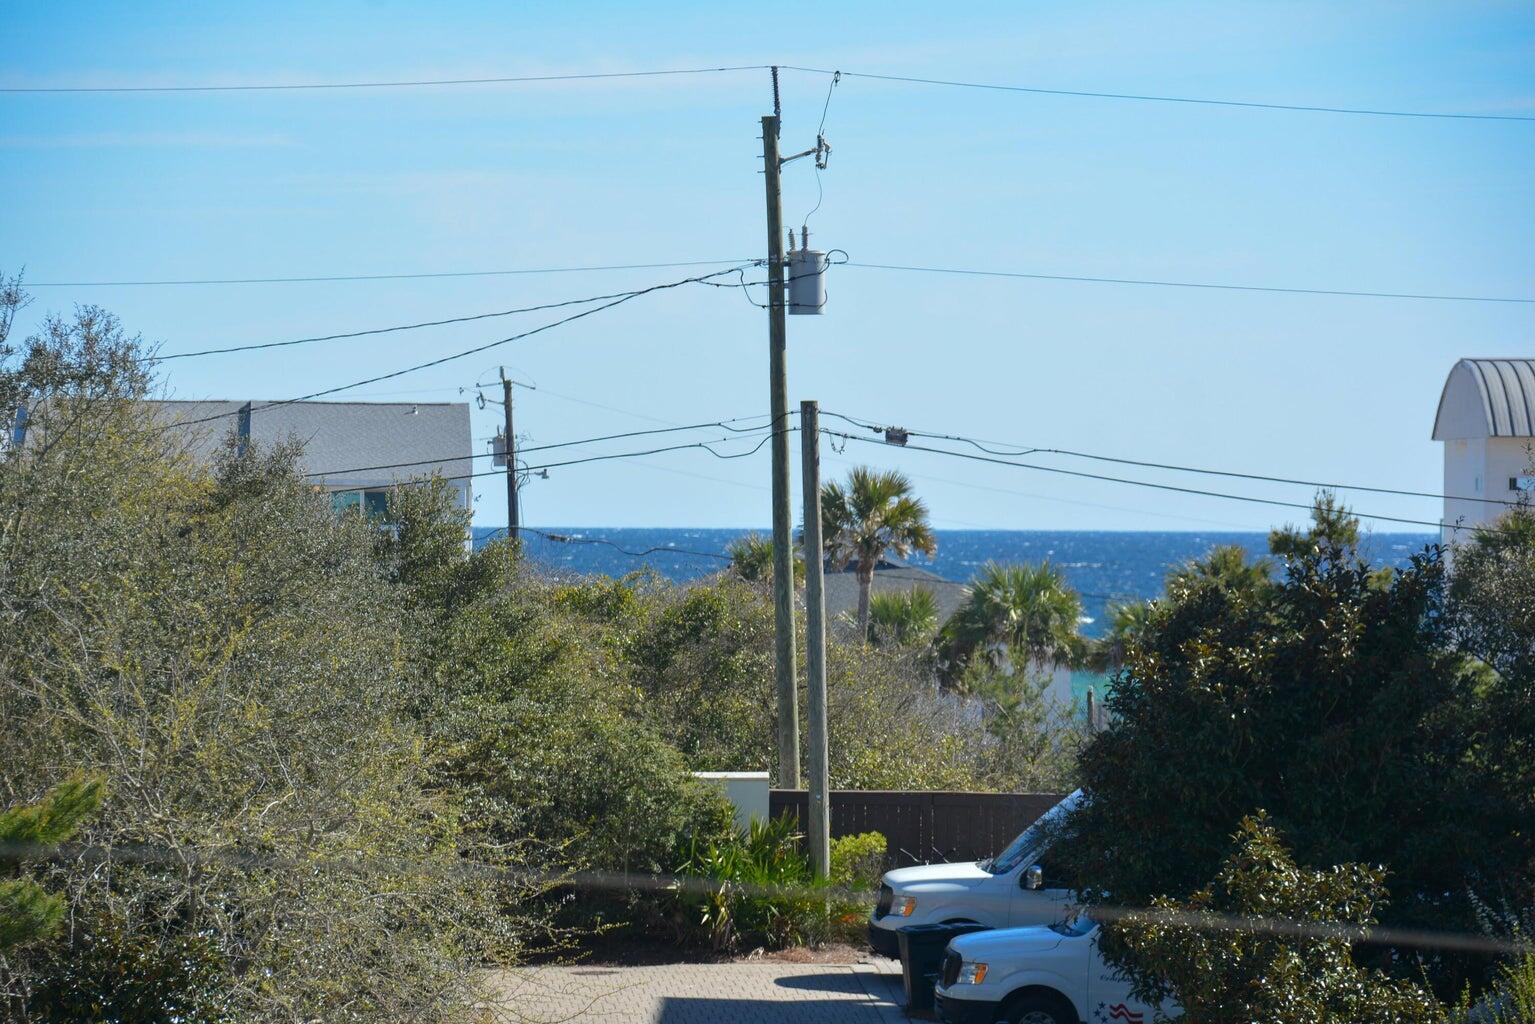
1040,1008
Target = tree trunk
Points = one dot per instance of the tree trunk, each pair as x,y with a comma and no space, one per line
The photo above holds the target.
865,585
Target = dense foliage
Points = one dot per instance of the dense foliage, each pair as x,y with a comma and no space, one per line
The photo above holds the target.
1282,957
1340,699
226,654
27,911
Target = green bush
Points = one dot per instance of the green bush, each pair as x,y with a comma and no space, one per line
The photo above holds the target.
232,659
1228,975
27,911
1511,998
1333,699
858,861
109,970
755,888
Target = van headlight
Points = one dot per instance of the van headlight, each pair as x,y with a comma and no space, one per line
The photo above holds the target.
971,974
902,906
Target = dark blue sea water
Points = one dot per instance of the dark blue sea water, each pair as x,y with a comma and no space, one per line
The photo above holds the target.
1103,565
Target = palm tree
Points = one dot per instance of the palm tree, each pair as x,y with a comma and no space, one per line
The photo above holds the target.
751,558
1227,566
873,514
1127,620
903,618
1023,610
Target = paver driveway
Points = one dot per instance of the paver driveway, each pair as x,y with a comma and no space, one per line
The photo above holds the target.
734,993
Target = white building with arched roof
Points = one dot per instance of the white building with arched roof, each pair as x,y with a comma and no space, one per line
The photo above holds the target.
1486,420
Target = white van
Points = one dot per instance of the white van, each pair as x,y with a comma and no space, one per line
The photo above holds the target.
1049,975
1008,890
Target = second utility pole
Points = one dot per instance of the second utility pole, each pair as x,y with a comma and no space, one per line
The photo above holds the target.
511,457
783,553
819,833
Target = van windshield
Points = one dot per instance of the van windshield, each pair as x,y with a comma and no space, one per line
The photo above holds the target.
1017,850
1031,842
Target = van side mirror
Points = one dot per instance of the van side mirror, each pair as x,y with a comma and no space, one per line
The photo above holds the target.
1033,877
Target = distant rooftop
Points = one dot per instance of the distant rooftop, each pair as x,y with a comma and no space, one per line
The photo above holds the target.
891,577
340,435
1487,398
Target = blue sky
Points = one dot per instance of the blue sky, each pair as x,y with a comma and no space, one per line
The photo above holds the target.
110,187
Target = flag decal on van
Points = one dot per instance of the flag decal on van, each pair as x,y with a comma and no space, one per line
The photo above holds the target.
1118,1012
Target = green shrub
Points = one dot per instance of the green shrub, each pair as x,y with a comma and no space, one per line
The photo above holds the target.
108,970
1226,975
857,862
753,889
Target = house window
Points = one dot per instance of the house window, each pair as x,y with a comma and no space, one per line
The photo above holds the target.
374,504
1521,483
340,501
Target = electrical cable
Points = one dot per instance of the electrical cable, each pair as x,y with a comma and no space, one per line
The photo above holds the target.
565,538
1148,98
725,424
384,330
704,445
385,277
1273,289
1126,480
460,355
744,263
673,448
1024,450
820,143
402,84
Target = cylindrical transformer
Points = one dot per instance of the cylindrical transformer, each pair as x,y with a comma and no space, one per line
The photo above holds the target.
807,282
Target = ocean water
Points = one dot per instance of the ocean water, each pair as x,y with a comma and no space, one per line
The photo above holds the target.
1104,566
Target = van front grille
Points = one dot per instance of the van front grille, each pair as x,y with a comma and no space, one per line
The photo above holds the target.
951,965
886,897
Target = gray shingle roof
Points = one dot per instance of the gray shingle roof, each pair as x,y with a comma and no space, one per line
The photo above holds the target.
343,436
1487,398
842,589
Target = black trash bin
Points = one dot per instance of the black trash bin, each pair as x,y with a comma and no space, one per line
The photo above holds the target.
922,947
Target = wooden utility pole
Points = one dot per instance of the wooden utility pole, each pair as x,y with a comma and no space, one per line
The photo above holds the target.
511,457
819,833
783,553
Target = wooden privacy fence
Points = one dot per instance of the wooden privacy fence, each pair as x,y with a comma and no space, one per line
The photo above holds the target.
925,827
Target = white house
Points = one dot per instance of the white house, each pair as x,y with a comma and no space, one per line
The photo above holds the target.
1487,423
354,450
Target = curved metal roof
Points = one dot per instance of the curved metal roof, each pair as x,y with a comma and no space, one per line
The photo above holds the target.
1487,398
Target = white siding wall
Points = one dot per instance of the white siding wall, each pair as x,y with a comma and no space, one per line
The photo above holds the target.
1465,473
1481,468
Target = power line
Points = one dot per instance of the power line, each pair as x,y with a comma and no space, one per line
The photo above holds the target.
1025,450
1125,480
1150,98
1207,285
727,69
725,424
743,263
566,538
394,84
625,297
385,330
384,277
704,445
673,448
